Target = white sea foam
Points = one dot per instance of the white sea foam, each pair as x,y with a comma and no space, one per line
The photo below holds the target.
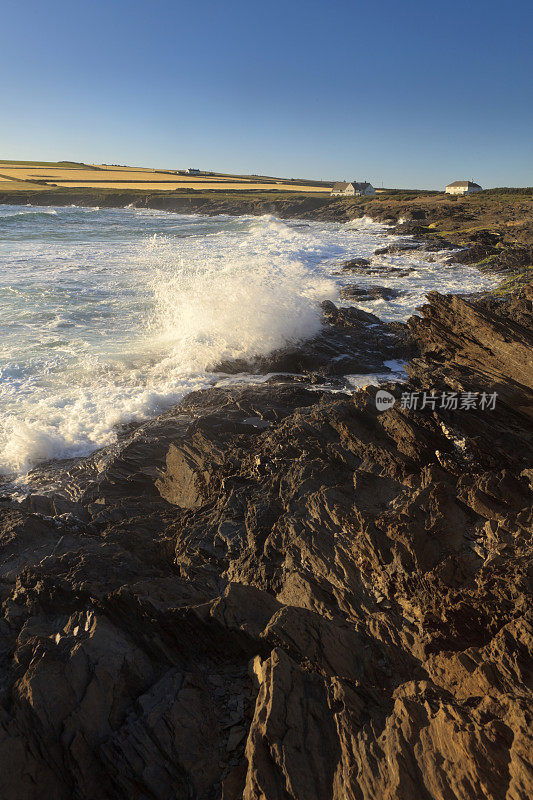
13,215
232,306
112,316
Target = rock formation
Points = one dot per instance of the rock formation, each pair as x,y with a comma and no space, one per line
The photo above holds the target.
278,593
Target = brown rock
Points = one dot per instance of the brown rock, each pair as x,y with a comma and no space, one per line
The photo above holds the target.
273,592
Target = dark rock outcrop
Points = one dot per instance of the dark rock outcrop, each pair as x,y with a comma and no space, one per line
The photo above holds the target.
361,295
272,592
351,341
354,264
398,247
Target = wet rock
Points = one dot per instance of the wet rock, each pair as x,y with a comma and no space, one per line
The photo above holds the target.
362,295
351,341
355,264
399,247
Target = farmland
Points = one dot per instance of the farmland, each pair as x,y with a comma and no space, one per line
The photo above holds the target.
34,174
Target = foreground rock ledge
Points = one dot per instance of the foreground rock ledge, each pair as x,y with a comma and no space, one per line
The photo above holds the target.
278,593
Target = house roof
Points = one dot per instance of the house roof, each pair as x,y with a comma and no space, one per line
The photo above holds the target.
344,184
464,183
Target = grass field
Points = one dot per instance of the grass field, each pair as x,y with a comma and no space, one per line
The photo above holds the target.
56,164
32,174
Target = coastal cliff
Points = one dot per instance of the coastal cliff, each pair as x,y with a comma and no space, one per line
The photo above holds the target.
278,592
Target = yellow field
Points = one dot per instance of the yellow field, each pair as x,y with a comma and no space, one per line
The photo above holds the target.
100,176
7,184
123,169
170,186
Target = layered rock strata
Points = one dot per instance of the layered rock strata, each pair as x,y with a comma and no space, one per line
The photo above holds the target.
278,593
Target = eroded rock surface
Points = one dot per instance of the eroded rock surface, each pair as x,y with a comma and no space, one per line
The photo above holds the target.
282,594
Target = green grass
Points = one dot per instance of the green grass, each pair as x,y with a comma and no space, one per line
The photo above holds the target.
514,282
523,190
207,194
400,194
459,230
69,164
485,262
14,185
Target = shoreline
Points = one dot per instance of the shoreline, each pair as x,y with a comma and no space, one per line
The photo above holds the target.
364,568
345,330
494,228
262,568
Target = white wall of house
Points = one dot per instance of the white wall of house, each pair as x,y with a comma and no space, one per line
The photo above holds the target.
366,191
350,191
461,190
343,192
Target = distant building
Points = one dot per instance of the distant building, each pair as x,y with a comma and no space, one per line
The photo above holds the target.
463,187
191,171
353,188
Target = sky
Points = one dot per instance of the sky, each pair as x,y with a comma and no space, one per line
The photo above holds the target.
403,93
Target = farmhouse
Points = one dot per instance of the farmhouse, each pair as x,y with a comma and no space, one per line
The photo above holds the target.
192,171
463,187
352,188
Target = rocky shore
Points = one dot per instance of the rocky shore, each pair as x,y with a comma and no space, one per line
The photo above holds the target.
494,228
281,592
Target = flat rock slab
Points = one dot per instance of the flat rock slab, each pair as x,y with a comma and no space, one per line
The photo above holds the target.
364,294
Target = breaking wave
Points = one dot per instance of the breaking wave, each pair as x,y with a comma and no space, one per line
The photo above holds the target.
115,315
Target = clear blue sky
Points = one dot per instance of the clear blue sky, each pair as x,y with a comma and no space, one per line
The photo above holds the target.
406,92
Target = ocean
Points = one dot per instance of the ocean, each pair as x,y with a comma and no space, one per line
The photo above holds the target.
110,316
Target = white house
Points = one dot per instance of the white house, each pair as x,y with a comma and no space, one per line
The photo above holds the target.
463,187
191,171
353,188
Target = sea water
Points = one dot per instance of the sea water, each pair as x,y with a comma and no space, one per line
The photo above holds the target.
109,316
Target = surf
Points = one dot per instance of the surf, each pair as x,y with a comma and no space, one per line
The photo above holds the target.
113,316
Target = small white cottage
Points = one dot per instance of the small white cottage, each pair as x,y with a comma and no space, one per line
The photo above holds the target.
463,187
353,189
192,171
